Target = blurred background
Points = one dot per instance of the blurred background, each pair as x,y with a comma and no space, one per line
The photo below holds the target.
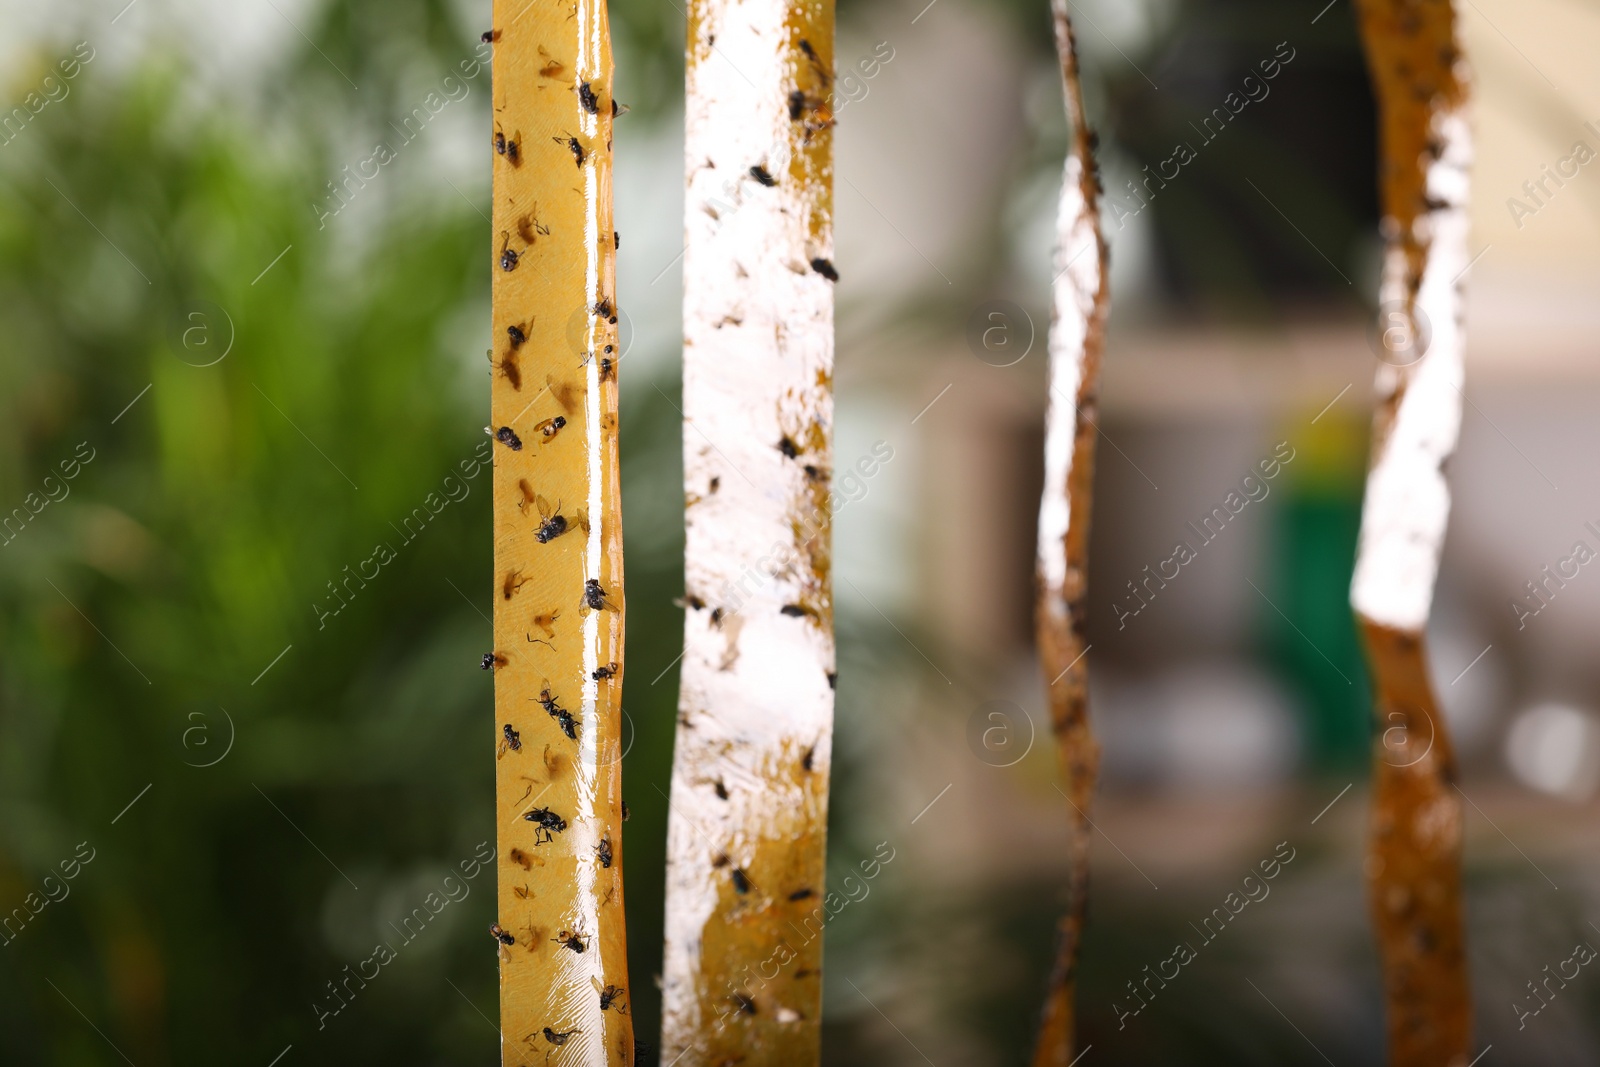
220,386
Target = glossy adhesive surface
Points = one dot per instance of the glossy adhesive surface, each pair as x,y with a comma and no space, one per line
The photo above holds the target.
557,528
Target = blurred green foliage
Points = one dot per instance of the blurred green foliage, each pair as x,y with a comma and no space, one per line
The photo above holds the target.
141,611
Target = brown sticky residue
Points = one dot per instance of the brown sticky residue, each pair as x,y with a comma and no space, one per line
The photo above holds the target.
1414,62
749,929
520,858
563,392
1059,611
730,626
511,367
810,60
1415,849
1414,859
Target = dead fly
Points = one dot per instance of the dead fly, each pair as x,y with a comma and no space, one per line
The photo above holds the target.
741,881
608,368
529,229
548,823
600,674
594,597
552,524
501,935
508,258
556,1038
562,716
787,446
517,336
546,623
513,582
609,995
552,67
825,268
551,427
513,740
759,173
586,97
493,661
508,437
577,149
547,701
606,311
624,811
489,36
821,117
618,109
506,146
603,850
570,940
550,529
811,53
